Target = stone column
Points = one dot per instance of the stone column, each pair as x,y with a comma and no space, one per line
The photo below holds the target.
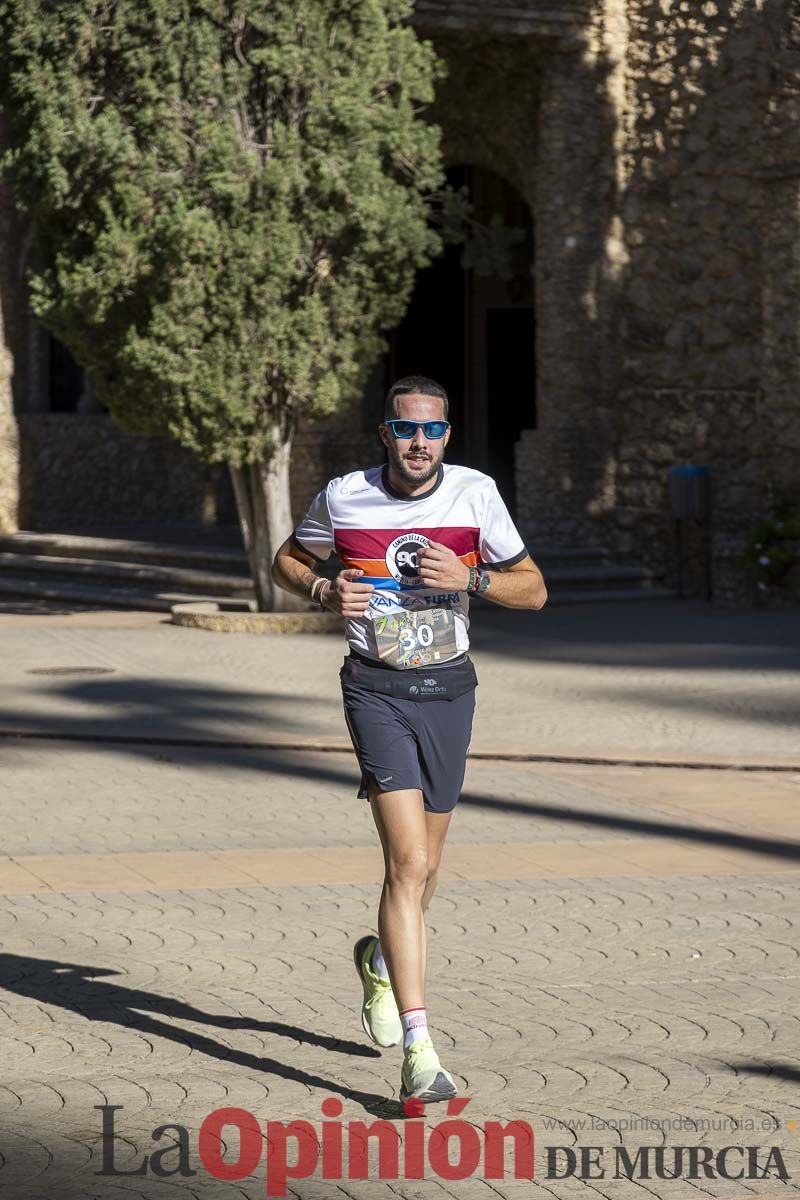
566,467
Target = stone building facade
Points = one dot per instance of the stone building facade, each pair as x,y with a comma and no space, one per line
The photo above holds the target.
650,150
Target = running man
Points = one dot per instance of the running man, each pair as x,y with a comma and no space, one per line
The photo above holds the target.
417,536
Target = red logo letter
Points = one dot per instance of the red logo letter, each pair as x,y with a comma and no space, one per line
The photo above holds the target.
494,1154
469,1149
278,1170
209,1143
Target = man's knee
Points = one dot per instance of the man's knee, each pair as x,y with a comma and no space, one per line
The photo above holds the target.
407,868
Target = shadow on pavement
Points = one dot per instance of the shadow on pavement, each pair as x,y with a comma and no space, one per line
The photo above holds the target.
787,1071
140,717
766,705
165,709
87,991
780,847
671,636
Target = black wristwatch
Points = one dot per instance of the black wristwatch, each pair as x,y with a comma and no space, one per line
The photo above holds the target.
483,581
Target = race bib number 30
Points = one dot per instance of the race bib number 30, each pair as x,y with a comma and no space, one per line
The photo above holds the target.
417,638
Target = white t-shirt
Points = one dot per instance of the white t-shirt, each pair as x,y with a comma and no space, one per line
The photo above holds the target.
374,527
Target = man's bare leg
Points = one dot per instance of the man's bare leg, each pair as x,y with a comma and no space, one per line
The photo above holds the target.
412,841
400,819
438,824
412,845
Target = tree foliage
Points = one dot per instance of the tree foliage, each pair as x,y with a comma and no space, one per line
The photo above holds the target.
230,200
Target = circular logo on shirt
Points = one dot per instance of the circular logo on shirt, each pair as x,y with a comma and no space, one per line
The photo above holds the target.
402,557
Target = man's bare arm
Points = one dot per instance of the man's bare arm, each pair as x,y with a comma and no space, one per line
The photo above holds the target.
518,586
292,570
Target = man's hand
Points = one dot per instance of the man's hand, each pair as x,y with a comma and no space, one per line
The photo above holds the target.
345,597
441,568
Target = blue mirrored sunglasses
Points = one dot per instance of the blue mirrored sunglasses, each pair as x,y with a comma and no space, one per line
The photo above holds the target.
407,429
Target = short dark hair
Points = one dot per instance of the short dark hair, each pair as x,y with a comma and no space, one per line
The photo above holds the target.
413,385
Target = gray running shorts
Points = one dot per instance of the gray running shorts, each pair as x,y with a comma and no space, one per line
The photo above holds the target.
404,743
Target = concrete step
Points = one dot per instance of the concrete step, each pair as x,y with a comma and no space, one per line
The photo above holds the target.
180,579
566,556
604,575
151,573
94,596
130,550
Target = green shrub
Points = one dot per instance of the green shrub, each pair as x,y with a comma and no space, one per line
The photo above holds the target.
771,547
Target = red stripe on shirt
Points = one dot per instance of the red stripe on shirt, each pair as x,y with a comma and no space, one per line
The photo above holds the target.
373,543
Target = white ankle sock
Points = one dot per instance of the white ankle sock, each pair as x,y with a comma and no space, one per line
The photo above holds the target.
415,1025
378,965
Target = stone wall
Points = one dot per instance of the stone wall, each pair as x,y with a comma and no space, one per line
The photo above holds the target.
79,470
699,226
665,427
321,454
780,250
694,331
698,99
563,465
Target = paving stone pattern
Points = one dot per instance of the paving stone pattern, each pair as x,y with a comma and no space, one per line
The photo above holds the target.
637,986
657,998
560,1001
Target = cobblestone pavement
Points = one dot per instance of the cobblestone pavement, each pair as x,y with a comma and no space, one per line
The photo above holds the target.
613,950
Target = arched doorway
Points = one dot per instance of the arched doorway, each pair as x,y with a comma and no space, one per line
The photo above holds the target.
475,335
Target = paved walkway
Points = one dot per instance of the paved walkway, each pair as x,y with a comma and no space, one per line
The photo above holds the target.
613,950
658,680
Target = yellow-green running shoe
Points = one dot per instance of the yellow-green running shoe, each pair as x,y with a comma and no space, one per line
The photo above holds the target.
379,1014
423,1076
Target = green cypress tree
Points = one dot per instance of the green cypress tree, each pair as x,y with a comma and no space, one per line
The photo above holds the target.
231,199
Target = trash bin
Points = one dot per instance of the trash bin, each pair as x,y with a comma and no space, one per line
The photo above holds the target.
690,492
690,497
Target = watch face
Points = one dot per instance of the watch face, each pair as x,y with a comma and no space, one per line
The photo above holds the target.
484,580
